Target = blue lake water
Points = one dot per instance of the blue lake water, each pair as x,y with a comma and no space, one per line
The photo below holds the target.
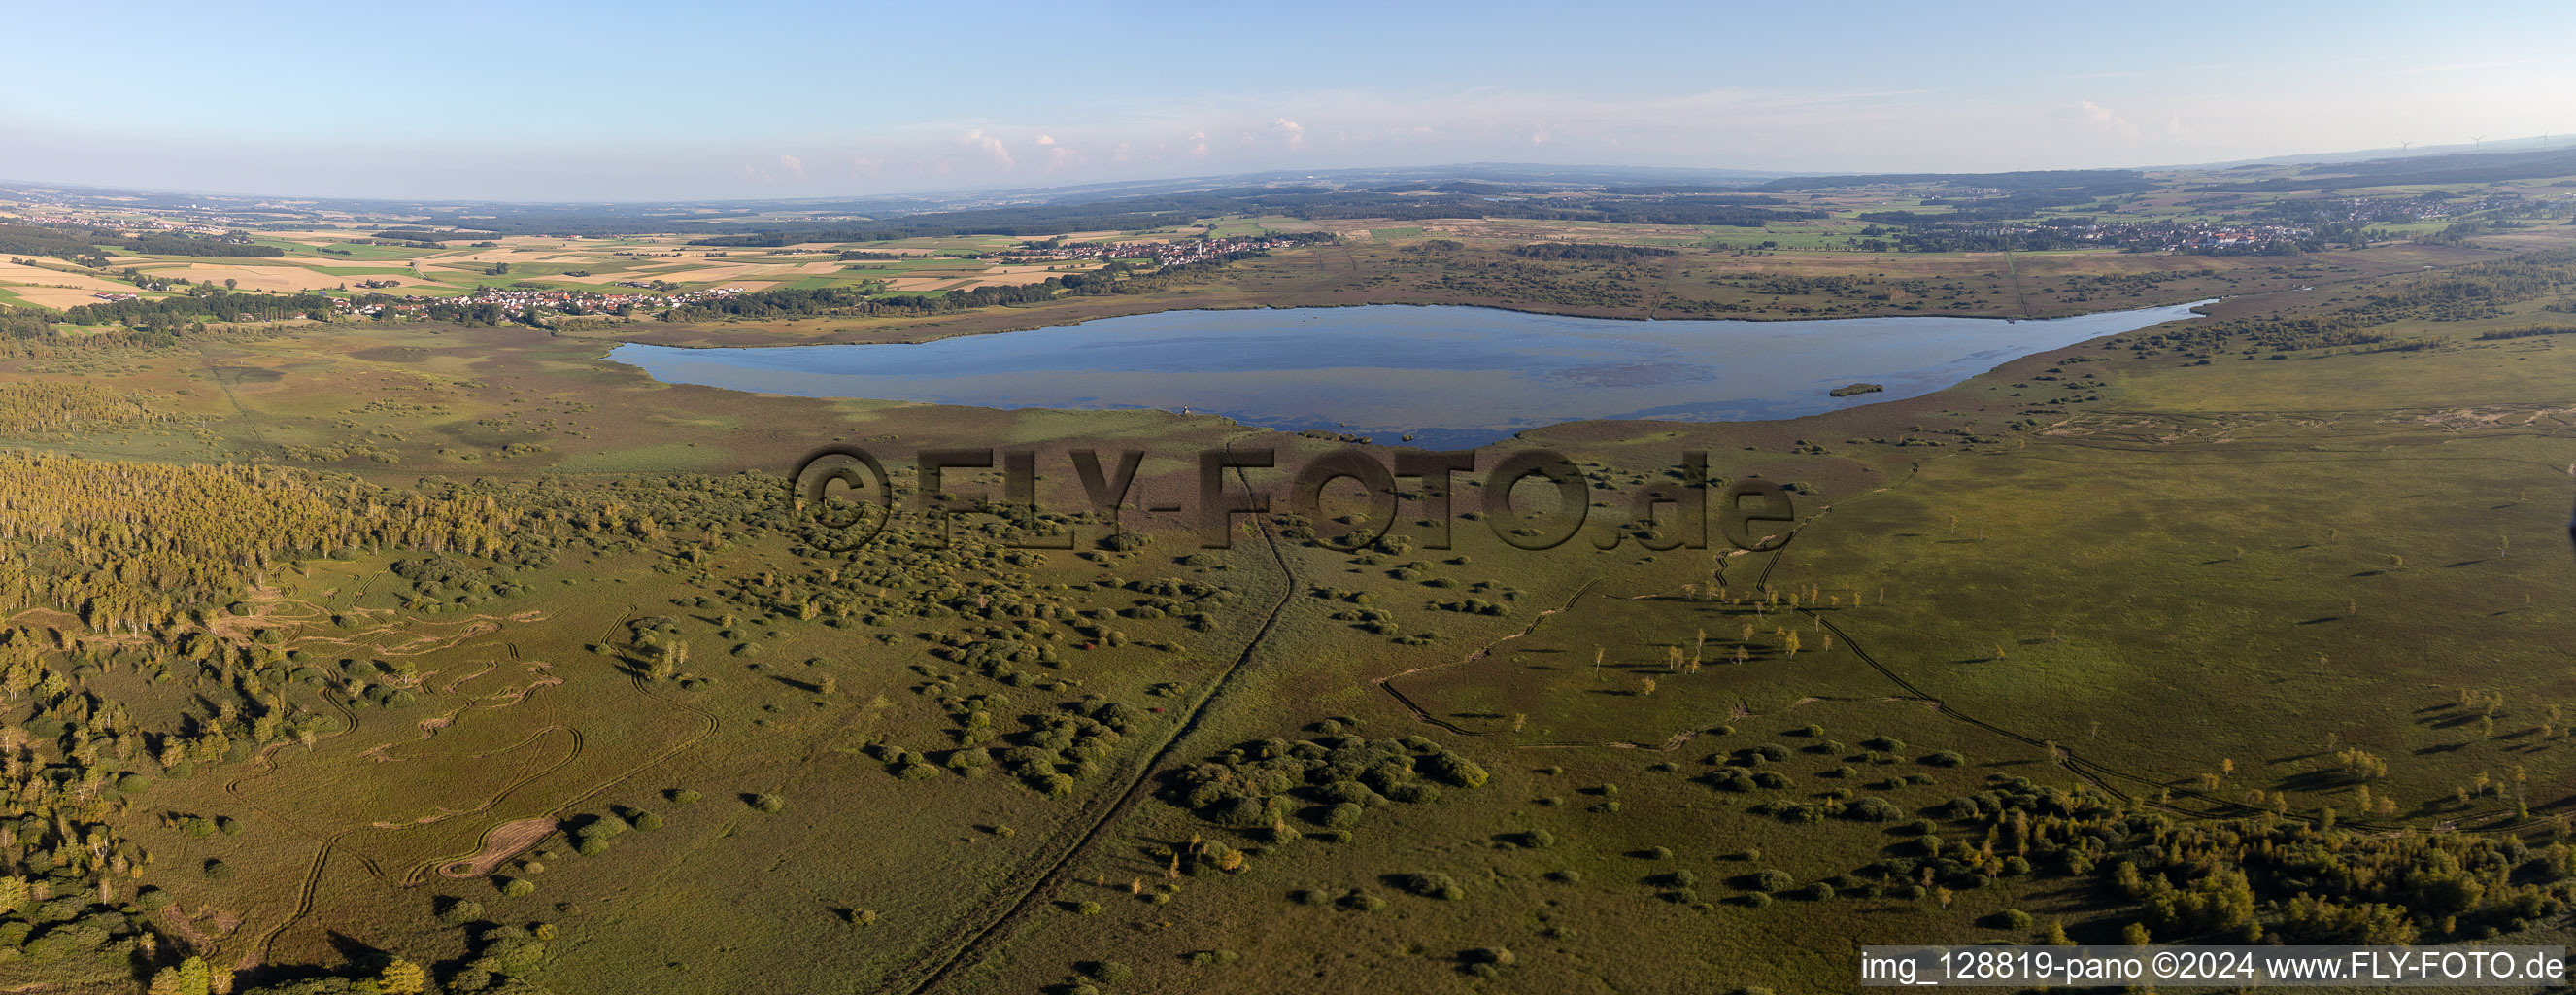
1453,377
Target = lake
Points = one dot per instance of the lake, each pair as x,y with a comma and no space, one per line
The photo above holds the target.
1453,377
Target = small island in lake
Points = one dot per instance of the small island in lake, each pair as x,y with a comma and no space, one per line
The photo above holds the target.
1858,388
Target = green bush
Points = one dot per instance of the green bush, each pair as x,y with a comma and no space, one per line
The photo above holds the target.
768,802
459,911
1107,972
1431,884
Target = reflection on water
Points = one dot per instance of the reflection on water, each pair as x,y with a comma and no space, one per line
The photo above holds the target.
1450,376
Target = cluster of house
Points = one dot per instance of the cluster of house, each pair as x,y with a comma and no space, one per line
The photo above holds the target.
1179,253
2231,237
2186,236
2429,207
112,297
516,300
225,235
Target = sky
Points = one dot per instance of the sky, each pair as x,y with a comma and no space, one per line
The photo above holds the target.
645,100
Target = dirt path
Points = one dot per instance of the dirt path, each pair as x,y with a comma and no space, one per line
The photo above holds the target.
500,843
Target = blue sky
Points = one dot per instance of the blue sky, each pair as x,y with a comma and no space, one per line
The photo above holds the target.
643,100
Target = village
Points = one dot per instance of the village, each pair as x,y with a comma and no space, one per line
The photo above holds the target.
1167,254
521,300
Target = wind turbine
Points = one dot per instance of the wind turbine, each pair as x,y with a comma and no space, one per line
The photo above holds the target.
2402,147
2477,144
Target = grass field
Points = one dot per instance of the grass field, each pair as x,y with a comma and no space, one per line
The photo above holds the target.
2110,605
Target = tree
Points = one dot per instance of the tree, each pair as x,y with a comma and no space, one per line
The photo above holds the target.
188,978
402,977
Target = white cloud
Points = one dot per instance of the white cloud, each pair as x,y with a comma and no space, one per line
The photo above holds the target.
2106,123
794,166
1294,133
992,148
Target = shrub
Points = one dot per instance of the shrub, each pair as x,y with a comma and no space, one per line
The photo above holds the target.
1360,901
1771,880
1945,758
1873,810
1342,816
1431,884
518,887
684,796
459,911
1107,972
2015,919
768,802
